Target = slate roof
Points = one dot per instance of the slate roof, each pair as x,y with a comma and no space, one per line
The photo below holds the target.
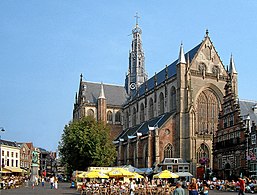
114,94
160,76
246,107
8,143
143,128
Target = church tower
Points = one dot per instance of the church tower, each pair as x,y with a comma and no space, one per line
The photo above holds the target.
136,73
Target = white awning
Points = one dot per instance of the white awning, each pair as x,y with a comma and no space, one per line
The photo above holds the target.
184,174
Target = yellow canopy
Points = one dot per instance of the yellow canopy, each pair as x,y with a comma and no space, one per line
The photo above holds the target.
165,175
96,174
120,172
136,176
5,171
82,175
14,169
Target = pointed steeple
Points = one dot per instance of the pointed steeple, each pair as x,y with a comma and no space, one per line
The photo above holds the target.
102,96
181,57
136,71
232,69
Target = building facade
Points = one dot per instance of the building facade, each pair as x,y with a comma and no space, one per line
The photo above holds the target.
173,114
26,156
234,147
10,157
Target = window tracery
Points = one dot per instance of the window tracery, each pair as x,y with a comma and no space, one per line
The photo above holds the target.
207,112
168,151
173,99
150,111
161,103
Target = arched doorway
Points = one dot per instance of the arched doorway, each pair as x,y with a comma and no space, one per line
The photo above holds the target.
227,171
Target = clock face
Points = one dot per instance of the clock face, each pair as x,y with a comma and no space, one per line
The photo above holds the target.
132,86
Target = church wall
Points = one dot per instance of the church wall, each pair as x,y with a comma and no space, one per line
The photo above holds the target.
167,135
156,104
142,154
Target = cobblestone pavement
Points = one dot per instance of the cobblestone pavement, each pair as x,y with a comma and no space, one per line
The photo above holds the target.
63,188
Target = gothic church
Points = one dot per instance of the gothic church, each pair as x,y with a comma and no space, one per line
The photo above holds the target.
174,113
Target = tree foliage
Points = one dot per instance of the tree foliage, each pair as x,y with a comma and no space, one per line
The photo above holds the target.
86,143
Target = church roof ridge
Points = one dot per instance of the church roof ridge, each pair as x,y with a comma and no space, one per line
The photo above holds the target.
110,84
161,75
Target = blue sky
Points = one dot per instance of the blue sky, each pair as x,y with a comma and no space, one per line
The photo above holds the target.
46,44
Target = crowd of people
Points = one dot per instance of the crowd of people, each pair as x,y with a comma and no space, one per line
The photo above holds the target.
11,181
180,187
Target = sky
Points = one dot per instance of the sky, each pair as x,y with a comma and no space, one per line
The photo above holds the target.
46,44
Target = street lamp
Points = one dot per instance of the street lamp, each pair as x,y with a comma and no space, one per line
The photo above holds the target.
2,130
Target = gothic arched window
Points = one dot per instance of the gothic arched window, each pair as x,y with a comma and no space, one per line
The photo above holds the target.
207,110
134,116
126,119
173,99
117,117
109,117
203,154
90,112
142,113
168,151
161,103
150,111
145,155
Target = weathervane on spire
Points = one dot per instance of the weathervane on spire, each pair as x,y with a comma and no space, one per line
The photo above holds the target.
136,16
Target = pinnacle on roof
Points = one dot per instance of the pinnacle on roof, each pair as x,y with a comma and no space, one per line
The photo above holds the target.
232,68
102,96
181,57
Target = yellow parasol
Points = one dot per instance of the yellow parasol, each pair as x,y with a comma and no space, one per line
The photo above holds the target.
96,174
82,175
119,172
136,176
165,175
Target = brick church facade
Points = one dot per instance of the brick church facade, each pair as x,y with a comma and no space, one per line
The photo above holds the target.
173,114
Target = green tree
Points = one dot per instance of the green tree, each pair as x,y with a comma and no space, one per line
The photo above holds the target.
86,143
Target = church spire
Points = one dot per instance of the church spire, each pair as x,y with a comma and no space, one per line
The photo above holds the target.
136,71
102,96
232,69
181,57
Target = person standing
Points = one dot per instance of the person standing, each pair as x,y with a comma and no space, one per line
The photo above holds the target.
241,186
56,183
43,181
132,187
52,182
193,187
179,190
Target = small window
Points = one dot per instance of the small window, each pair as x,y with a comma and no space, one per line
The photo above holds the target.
12,154
2,152
253,139
169,168
7,153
